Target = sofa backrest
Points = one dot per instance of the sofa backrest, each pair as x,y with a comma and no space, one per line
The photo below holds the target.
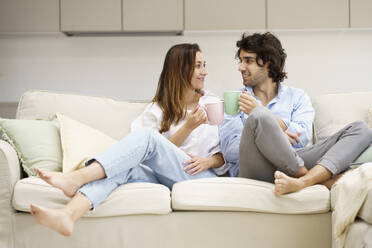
334,111
113,117
109,116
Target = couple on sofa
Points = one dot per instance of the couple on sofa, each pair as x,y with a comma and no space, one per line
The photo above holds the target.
266,141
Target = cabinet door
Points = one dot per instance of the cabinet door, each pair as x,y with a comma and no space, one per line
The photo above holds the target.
152,15
224,15
308,14
361,13
91,15
29,15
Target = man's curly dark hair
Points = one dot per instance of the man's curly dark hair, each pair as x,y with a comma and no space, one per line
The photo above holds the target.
269,49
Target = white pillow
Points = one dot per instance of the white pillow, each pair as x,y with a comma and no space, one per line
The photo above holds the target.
369,117
80,142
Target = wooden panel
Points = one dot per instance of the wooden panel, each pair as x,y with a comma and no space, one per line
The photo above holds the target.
224,15
151,15
29,15
283,14
91,15
361,13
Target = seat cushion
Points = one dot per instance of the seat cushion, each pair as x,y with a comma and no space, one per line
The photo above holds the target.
365,212
133,198
241,194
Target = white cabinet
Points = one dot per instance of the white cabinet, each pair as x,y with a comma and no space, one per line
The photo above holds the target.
91,15
286,14
224,15
29,15
361,13
152,15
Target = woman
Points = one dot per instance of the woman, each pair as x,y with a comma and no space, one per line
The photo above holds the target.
181,153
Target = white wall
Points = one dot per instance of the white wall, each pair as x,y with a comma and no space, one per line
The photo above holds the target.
128,68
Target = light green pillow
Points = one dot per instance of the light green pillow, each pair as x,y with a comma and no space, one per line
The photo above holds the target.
365,157
37,143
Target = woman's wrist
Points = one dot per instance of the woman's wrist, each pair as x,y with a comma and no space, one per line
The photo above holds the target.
188,128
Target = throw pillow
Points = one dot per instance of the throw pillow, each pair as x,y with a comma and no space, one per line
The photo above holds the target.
80,142
37,143
365,157
369,117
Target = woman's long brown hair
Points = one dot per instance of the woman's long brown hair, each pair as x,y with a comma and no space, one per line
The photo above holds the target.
174,79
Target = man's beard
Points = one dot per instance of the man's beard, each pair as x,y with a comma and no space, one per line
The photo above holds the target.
259,78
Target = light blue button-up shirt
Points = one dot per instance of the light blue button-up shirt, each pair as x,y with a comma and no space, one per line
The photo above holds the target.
291,105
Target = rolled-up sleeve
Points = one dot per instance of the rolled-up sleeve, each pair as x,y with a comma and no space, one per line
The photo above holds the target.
302,117
150,118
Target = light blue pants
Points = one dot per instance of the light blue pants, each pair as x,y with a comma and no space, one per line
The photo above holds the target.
121,163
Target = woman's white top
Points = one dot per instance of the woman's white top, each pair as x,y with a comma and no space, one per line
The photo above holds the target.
202,142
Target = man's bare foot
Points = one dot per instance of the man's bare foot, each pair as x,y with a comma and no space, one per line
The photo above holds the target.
59,180
301,172
56,219
285,184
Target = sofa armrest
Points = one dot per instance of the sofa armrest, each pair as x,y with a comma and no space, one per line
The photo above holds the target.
9,175
10,171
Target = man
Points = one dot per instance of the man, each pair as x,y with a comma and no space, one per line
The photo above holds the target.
267,140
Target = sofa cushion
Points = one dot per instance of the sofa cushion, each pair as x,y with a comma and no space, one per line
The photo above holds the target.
80,142
128,199
37,143
109,116
365,212
334,111
241,194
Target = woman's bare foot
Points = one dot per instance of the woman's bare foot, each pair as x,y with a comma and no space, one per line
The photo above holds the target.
285,184
56,219
60,180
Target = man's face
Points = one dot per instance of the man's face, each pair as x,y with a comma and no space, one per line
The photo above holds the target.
252,73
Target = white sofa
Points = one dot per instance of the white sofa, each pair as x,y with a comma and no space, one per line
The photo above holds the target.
219,212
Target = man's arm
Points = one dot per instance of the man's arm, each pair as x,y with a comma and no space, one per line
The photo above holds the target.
299,128
230,132
302,120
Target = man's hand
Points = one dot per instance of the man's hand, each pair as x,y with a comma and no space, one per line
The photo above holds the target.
196,118
247,102
292,137
196,164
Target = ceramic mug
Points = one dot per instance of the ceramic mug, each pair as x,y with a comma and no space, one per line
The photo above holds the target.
231,99
214,111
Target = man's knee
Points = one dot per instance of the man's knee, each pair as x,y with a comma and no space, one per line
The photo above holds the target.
261,116
363,129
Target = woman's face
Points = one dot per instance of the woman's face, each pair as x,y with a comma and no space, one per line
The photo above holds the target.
197,80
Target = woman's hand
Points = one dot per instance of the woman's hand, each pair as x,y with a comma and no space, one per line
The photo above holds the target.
196,118
196,164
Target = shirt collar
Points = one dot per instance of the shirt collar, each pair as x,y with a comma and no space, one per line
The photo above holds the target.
275,99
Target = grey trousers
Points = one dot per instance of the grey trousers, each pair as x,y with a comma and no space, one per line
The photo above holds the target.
264,148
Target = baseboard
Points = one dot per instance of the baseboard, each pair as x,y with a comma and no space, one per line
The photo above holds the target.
8,109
